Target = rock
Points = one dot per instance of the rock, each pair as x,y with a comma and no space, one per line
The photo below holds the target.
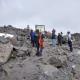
11,66
22,51
3,40
49,70
76,36
5,52
13,41
20,38
75,58
78,52
76,71
20,65
21,71
58,61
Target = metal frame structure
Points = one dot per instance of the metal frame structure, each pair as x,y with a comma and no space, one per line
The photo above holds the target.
37,27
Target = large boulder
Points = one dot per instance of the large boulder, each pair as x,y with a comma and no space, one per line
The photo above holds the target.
22,51
58,61
5,51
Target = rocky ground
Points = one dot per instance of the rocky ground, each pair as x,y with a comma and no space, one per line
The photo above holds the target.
56,63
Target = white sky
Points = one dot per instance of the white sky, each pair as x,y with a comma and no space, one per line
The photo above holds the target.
63,15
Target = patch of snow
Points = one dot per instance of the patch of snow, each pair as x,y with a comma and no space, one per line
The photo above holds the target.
6,35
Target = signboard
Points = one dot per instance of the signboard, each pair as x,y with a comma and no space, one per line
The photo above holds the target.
41,28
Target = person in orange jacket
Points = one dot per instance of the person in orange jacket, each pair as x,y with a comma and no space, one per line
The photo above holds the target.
41,43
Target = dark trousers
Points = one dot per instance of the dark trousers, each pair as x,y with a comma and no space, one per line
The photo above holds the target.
33,43
39,50
70,45
37,46
59,43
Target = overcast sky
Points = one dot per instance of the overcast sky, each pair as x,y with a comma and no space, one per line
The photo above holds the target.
62,15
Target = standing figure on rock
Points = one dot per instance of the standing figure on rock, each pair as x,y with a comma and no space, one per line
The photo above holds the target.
37,41
69,41
53,38
62,36
41,45
32,34
59,39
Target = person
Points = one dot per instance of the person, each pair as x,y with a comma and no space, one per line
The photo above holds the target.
62,37
36,38
41,41
69,41
59,39
53,38
61,34
32,34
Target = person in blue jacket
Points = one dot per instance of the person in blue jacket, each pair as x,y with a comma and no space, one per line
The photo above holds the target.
32,34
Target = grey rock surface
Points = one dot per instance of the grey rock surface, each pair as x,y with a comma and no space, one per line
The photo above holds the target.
56,63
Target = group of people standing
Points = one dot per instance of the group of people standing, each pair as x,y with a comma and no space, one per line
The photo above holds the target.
56,39
37,40
59,39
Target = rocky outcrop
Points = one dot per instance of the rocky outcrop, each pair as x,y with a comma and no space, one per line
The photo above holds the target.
56,63
5,52
76,36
